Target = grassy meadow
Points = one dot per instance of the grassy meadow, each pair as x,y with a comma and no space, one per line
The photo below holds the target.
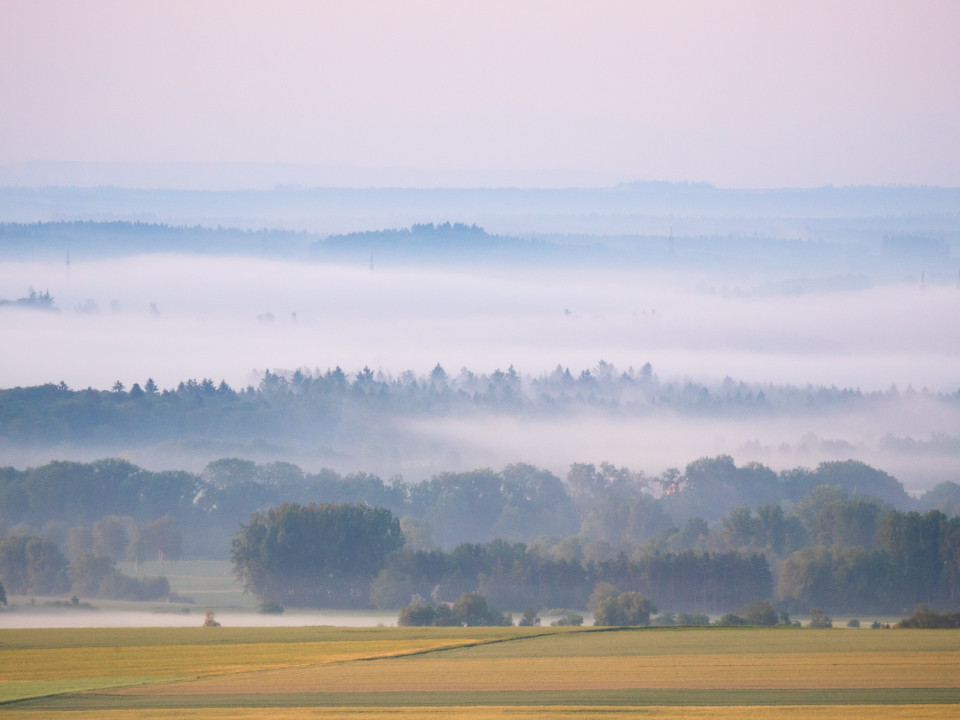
478,672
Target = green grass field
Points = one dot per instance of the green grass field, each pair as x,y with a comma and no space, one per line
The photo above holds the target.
478,672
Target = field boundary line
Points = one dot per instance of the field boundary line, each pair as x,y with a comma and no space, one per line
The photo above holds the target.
492,641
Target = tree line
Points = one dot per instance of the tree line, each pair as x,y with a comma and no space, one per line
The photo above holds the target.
331,405
917,563
710,504
842,536
516,575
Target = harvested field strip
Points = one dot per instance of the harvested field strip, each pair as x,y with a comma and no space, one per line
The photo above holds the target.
442,673
42,688
589,642
803,712
38,638
175,661
553,712
571,698
473,673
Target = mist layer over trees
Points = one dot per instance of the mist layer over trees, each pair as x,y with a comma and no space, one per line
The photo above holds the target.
417,425
703,397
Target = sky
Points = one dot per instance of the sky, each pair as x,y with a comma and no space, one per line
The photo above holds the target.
739,93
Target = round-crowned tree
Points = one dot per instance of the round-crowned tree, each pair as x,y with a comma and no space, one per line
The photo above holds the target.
315,555
629,608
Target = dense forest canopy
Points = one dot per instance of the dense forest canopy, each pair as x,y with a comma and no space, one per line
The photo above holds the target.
710,538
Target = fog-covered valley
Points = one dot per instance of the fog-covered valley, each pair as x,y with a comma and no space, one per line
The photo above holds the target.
842,322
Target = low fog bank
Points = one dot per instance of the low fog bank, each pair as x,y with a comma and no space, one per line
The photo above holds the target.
173,317
912,439
25,619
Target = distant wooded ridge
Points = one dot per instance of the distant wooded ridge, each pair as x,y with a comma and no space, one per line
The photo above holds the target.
873,249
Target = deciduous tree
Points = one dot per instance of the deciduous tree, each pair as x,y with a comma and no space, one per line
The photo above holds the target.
315,555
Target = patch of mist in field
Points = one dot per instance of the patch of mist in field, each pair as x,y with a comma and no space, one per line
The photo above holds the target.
25,619
174,318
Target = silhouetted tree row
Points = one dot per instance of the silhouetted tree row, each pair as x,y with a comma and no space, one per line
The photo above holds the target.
335,405
514,575
470,609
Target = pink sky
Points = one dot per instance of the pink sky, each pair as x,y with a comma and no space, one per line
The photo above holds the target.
735,93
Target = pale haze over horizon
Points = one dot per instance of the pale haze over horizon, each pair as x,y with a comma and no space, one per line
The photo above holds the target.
739,94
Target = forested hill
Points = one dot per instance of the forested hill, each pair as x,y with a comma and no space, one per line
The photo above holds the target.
426,243
843,254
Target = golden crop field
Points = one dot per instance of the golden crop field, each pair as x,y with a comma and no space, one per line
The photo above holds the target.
479,673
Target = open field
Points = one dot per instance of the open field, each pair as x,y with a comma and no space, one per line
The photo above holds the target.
478,672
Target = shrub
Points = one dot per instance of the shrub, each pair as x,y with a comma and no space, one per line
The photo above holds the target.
529,618
417,616
117,586
819,619
625,609
760,612
731,620
570,618
924,617
692,619
470,609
